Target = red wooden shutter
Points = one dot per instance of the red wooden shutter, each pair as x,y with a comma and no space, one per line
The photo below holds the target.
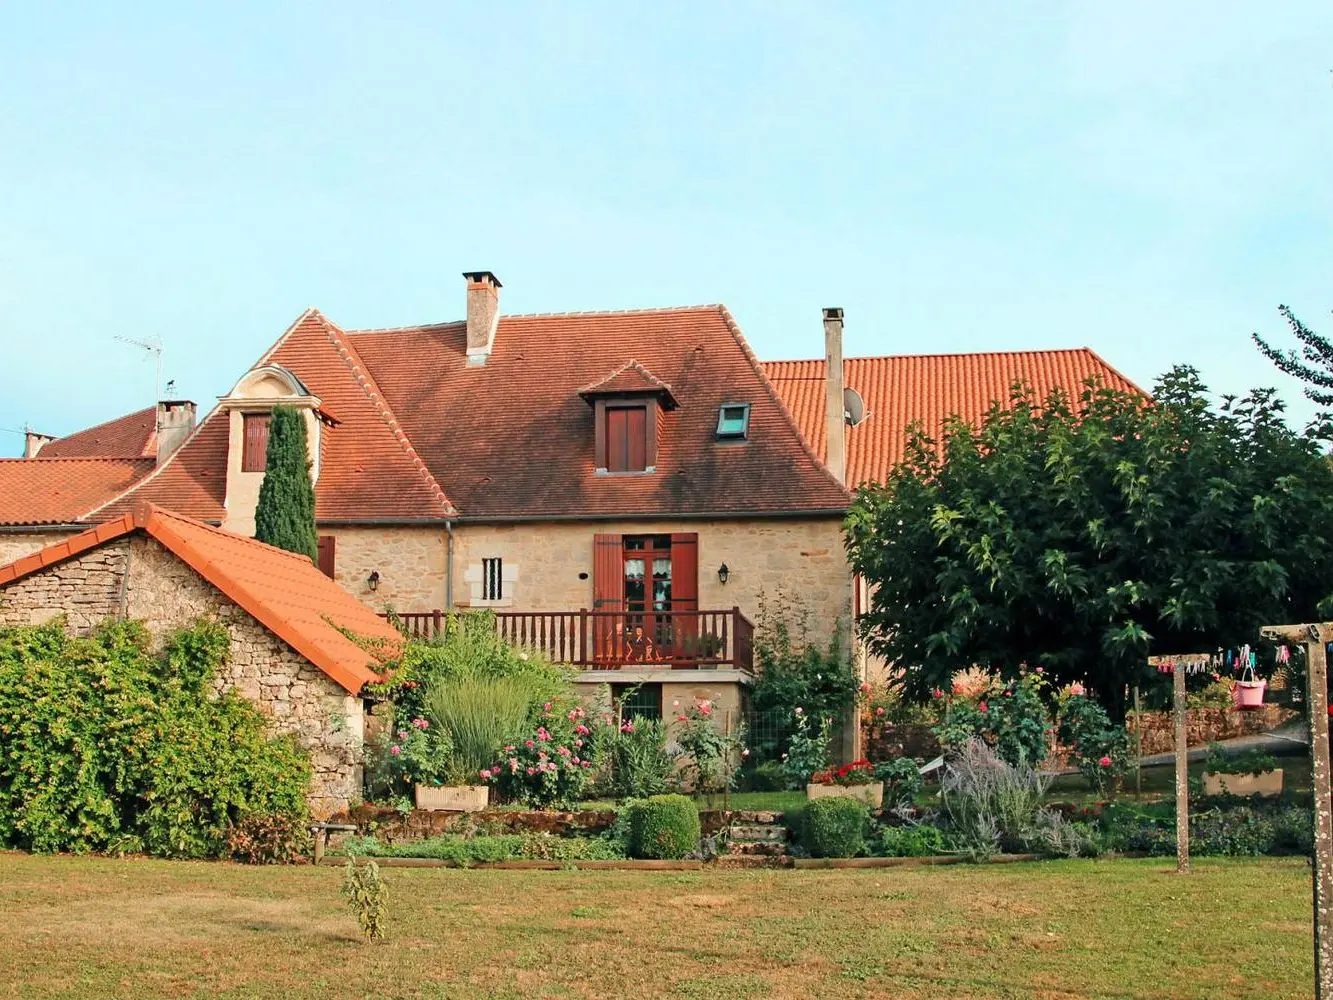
608,594
328,544
636,428
608,573
617,444
254,453
685,592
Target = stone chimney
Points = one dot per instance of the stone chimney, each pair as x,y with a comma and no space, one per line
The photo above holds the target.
34,442
483,314
834,406
175,420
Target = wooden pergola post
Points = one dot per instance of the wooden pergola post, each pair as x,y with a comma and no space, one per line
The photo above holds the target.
1313,636
1180,706
1180,702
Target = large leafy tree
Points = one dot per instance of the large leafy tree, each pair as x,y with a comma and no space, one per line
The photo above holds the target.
1312,364
1082,537
285,514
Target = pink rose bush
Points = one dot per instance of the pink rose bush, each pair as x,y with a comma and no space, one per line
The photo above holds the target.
552,767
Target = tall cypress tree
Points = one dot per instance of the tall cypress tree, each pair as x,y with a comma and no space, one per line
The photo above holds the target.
285,515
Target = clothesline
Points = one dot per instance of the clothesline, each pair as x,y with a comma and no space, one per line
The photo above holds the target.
1230,659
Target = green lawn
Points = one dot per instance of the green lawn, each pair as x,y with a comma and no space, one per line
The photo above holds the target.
83,928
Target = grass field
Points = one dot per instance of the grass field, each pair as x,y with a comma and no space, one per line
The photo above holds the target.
78,927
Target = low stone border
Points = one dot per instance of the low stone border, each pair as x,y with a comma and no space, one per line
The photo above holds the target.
527,864
939,859
631,864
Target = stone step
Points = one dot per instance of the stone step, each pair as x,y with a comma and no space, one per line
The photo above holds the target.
755,849
751,816
759,833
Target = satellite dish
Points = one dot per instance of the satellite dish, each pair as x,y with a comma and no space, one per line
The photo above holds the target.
853,407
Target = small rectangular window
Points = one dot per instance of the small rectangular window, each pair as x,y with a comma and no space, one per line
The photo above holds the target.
638,701
254,453
626,438
492,580
733,422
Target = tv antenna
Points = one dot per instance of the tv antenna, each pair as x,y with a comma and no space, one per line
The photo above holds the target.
153,346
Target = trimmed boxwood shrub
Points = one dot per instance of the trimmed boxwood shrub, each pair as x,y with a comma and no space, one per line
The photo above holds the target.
835,828
663,826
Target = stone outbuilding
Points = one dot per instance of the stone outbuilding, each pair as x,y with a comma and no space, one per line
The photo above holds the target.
289,623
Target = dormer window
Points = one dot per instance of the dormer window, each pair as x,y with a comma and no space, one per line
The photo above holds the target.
627,437
254,452
733,422
627,406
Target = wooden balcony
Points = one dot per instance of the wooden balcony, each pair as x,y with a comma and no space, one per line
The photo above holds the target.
615,640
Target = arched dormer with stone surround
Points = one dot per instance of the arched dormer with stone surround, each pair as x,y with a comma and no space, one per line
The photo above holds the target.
249,406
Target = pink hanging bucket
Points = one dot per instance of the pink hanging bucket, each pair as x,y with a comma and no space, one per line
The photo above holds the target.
1248,695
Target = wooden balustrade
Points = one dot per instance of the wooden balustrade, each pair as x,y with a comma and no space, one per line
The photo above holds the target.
610,640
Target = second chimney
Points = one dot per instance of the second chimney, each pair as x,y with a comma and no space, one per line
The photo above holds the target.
34,442
483,314
834,405
175,420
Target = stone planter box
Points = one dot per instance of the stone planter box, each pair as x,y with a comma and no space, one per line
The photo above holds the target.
1268,783
871,794
453,798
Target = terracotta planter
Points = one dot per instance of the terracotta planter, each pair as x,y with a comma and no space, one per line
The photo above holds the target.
1268,783
453,798
871,794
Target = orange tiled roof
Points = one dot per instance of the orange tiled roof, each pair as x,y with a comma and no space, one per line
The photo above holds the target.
927,388
631,377
282,590
62,490
131,436
368,467
513,438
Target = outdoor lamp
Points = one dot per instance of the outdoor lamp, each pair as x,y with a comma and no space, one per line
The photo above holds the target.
723,573
373,581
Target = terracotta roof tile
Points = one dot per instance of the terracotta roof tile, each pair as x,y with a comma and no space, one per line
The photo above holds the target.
631,377
513,438
285,592
368,467
927,388
62,490
131,436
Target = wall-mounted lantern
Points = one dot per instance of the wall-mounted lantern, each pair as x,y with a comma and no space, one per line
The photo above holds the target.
373,581
723,573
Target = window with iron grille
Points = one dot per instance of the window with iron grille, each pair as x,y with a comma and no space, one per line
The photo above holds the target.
492,579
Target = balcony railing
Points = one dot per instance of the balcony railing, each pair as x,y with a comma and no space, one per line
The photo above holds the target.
612,640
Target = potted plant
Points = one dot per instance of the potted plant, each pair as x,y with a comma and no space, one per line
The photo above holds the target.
426,755
1252,772
476,712
851,781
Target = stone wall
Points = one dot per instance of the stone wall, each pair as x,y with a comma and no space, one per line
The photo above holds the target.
1206,725
16,545
299,698
165,594
800,557
411,563
86,589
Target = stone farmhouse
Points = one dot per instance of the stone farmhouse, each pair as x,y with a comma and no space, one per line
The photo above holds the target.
622,489
284,617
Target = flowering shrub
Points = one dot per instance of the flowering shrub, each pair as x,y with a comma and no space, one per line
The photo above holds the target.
551,766
639,761
1098,748
858,772
424,754
1009,716
714,756
809,751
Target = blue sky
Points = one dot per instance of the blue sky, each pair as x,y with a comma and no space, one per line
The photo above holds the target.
1147,179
